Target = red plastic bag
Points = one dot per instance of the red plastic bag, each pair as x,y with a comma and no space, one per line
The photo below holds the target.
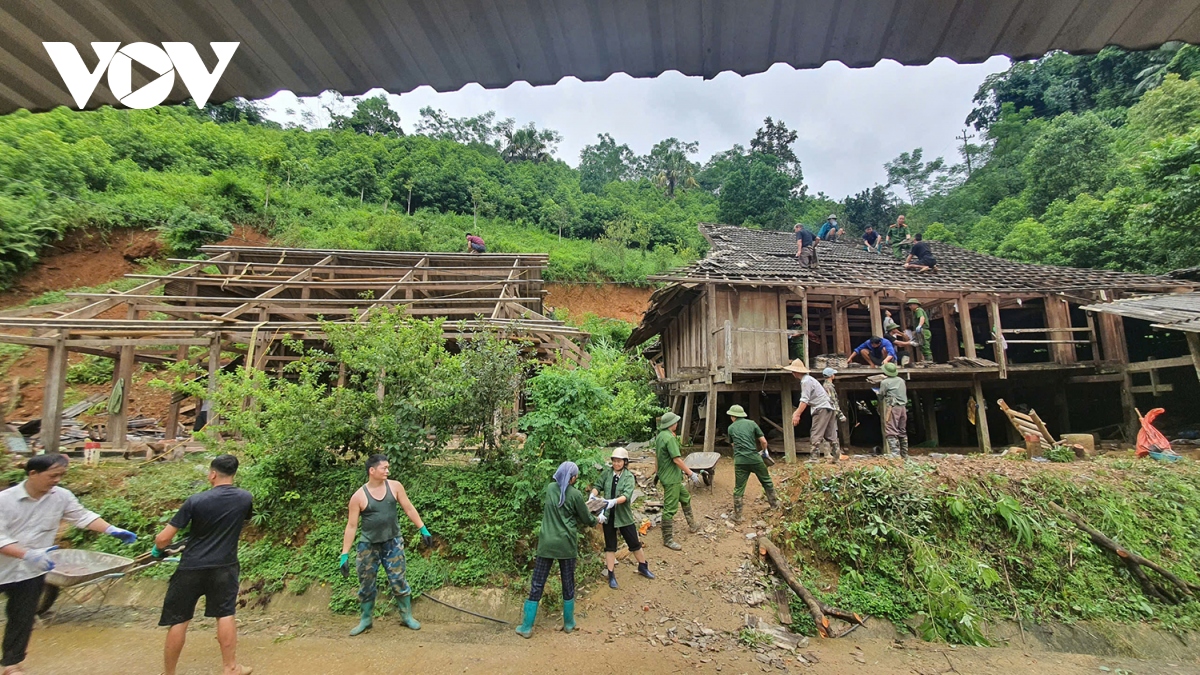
1150,439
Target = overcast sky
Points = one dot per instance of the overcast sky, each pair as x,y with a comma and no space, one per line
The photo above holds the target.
849,121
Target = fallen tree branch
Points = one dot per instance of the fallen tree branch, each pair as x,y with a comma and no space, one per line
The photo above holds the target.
1134,562
819,612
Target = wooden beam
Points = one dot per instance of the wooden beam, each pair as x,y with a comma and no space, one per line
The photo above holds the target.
1091,324
876,315
52,395
1129,407
1159,364
685,428
788,409
804,329
171,426
1112,338
968,330
1000,346
981,421
841,331
1058,319
783,324
117,427
214,367
710,419
1193,340
98,308
953,350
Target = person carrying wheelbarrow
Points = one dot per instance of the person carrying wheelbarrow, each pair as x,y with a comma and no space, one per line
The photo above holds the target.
749,457
617,484
30,513
671,470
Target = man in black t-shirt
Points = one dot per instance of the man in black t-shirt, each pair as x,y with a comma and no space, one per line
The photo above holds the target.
806,246
921,257
872,241
209,565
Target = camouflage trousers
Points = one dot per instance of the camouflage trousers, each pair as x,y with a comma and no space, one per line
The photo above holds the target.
390,554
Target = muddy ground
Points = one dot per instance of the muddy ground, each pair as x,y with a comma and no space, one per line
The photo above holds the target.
643,627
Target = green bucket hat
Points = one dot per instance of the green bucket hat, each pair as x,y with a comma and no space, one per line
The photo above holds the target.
913,301
736,411
890,369
667,420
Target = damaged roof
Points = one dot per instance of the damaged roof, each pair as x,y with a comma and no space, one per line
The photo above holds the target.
351,46
1180,311
740,254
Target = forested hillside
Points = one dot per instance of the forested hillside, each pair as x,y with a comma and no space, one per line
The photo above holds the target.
1091,161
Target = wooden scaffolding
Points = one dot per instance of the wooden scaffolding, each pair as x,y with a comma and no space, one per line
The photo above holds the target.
248,300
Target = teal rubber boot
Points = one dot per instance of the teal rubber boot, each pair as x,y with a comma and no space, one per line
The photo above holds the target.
568,615
406,617
364,625
525,630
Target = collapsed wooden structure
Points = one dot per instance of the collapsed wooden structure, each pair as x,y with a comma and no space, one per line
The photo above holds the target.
246,302
725,323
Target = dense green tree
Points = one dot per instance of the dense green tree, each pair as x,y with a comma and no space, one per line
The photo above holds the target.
874,207
604,163
755,190
669,167
775,139
530,144
372,116
481,129
1073,155
913,174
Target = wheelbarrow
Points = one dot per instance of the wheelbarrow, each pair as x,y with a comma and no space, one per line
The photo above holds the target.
705,464
82,575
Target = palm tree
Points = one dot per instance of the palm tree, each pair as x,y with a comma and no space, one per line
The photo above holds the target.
669,164
1151,76
528,144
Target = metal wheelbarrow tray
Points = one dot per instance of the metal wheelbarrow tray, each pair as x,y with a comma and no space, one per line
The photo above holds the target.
705,463
74,566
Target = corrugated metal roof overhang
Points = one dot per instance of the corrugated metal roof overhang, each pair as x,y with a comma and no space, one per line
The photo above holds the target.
309,46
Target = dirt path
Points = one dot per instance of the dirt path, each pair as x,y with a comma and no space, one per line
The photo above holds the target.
621,631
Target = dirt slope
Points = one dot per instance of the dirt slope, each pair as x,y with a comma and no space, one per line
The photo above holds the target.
610,301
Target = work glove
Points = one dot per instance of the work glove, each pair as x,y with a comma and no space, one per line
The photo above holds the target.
609,503
426,538
841,416
344,564
39,558
696,479
602,518
125,536
157,553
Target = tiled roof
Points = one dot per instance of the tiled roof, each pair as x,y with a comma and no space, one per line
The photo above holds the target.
1179,311
740,254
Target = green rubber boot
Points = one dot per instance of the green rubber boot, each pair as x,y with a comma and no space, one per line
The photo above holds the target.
368,608
406,617
668,529
568,615
525,630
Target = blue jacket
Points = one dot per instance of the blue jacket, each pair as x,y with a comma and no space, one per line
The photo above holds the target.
887,345
825,229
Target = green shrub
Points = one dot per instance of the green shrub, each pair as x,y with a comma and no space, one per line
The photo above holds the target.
91,370
188,230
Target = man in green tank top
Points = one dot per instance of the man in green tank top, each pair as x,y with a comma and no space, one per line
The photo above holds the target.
378,503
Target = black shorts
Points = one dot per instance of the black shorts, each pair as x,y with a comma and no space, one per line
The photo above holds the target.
218,585
478,248
629,533
928,261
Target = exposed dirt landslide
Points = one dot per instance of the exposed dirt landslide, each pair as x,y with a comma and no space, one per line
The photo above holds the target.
686,620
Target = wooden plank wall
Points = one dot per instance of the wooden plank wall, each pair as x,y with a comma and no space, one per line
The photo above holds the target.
758,311
684,340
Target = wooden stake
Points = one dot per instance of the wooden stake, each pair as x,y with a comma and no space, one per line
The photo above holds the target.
981,423
789,432
685,427
710,419
52,396
968,331
998,332
772,553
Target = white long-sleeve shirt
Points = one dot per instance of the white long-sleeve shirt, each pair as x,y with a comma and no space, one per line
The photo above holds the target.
812,393
33,523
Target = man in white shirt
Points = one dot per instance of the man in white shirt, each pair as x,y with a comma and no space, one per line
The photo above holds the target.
824,415
30,513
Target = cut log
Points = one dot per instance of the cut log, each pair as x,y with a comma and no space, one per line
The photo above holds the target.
1173,594
772,553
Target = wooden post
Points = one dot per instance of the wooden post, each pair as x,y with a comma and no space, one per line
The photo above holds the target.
755,410
876,315
1129,407
841,329
1193,340
117,428
929,404
998,331
214,367
783,329
710,290
789,432
685,427
52,395
1112,338
1062,403
171,426
804,329
981,423
728,351
823,338
1091,324
710,419
968,331
844,426
1058,315
952,349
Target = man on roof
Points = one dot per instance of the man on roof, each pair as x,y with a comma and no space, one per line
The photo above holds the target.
830,230
899,237
920,259
806,246
875,351
872,242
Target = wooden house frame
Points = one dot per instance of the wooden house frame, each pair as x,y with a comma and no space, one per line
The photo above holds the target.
723,325
249,300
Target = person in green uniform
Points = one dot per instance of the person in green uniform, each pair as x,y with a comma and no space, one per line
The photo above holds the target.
563,511
796,337
893,401
617,484
671,470
378,503
923,336
749,449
